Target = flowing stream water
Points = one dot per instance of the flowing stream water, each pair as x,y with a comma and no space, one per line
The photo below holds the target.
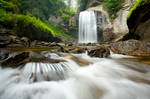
87,27
104,78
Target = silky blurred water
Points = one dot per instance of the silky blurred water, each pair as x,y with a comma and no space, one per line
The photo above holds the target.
105,78
87,27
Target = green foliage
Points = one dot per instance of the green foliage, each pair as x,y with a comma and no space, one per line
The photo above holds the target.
66,17
7,5
43,8
113,6
28,25
69,11
137,4
58,31
2,12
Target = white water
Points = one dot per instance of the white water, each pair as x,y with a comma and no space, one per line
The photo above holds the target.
87,27
104,79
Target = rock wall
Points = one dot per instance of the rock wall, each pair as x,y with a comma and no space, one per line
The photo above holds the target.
120,23
139,23
115,27
103,23
70,25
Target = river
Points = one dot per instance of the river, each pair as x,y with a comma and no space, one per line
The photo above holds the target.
102,78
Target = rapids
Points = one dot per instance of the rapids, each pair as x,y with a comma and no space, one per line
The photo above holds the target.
104,78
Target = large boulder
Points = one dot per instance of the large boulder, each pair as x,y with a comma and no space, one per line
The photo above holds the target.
131,47
99,51
120,23
139,21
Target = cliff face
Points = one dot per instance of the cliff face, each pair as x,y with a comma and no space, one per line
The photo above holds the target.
103,24
117,26
120,23
139,21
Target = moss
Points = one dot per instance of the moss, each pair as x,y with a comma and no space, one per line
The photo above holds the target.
58,31
137,4
25,25
32,27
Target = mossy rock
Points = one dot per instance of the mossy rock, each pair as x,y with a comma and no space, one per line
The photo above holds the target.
138,21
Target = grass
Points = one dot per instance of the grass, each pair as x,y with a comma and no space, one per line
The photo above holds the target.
137,4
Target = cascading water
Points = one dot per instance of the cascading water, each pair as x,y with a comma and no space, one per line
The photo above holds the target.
87,27
102,79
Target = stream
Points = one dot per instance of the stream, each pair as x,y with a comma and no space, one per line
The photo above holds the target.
102,78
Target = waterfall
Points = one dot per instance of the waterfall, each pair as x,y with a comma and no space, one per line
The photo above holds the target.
87,27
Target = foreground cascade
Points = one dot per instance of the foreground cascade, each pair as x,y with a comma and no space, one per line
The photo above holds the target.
87,27
99,78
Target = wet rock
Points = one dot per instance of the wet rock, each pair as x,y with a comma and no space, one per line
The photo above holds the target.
118,38
21,58
4,31
99,51
62,49
131,47
16,60
72,49
33,43
77,50
4,41
8,39
26,41
78,60
54,44
4,54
